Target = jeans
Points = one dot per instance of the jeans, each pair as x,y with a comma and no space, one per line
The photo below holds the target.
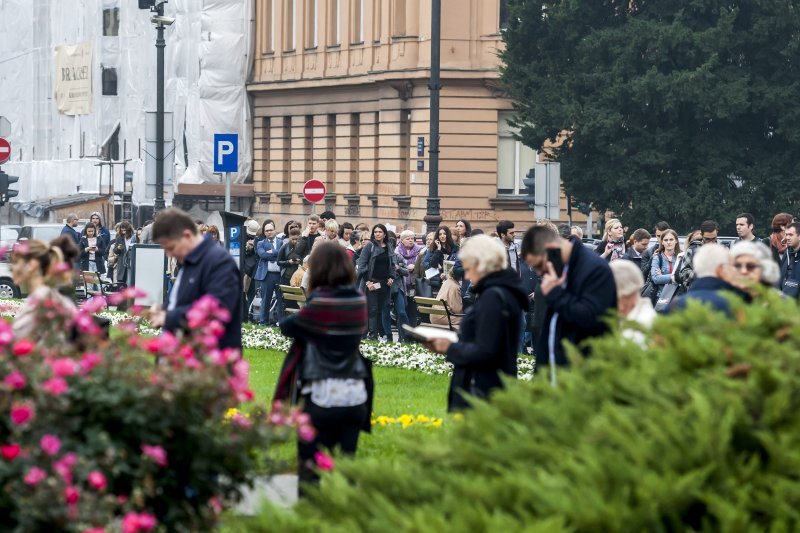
336,426
380,319
269,286
400,304
93,268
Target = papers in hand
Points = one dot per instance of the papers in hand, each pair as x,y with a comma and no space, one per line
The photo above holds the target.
428,333
431,273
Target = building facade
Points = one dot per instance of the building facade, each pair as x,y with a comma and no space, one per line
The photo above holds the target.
340,93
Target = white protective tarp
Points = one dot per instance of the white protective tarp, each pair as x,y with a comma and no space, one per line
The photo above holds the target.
207,63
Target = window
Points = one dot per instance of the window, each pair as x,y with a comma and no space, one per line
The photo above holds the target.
357,9
268,18
109,81
311,23
503,14
334,22
514,159
111,22
290,16
399,18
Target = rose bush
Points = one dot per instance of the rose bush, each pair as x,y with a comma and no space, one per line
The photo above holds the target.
94,433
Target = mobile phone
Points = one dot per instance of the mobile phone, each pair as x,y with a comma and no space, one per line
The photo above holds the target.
554,256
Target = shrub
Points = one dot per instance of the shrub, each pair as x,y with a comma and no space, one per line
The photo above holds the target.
101,436
698,431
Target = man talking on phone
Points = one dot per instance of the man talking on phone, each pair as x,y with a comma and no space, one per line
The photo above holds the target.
578,287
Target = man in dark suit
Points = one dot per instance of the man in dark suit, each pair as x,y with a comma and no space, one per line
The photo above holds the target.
69,228
205,268
268,273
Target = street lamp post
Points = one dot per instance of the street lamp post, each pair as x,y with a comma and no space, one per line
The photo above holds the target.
433,217
158,204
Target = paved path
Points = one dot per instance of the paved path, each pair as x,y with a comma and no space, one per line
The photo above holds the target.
281,490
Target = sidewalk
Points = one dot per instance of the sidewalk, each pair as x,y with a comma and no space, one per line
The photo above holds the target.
279,489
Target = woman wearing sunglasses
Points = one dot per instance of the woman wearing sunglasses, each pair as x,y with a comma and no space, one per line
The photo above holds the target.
754,266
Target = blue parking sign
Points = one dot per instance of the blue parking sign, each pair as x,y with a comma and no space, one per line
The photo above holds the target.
226,152
233,233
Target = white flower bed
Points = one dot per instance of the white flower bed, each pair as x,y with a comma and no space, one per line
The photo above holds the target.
407,356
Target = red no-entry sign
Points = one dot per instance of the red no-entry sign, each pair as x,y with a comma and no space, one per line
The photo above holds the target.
5,150
314,191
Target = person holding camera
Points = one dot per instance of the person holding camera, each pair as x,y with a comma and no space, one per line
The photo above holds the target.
612,247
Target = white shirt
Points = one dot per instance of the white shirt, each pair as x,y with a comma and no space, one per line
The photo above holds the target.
272,266
173,294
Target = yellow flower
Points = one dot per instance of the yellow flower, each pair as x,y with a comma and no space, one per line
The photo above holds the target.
422,419
436,422
230,413
406,420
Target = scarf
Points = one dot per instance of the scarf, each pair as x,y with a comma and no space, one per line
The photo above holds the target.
337,317
777,244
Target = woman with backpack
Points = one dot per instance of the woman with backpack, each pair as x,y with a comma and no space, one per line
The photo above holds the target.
665,261
324,369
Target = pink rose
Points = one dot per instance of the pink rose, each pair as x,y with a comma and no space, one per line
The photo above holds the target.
10,451
71,495
21,413
34,476
97,480
63,466
215,505
156,453
94,304
55,386
94,530
135,522
63,367
89,361
306,433
15,380
22,347
6,333
50,444
324,461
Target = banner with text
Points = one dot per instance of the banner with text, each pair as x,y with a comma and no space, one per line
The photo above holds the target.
74,78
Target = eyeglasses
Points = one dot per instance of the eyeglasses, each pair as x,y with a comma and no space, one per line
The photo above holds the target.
748,267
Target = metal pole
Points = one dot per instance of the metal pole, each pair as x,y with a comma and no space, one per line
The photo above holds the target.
158,204
227,191
432,216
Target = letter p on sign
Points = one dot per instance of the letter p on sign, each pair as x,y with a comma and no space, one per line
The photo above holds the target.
226,152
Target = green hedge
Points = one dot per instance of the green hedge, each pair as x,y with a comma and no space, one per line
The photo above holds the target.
700,431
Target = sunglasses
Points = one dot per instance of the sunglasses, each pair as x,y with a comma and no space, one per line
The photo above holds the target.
749,267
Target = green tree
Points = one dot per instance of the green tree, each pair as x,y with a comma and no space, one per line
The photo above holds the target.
679,110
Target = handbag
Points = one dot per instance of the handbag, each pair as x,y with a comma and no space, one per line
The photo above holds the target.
422,287
647,290
664,302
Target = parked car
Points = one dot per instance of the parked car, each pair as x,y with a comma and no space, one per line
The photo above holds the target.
42,232
7,287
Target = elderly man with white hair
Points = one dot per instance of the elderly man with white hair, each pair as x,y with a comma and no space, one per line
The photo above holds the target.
714,278
490,330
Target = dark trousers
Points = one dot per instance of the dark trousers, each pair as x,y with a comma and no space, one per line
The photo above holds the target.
378,305
269,287
249,295
336,427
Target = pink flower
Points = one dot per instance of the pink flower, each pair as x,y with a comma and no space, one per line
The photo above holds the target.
215,505
193,363
10,451
215,328
306,433
6,333
34,476
186,351
85,323
94,304
63,367
22,347
276,418
156,453
21,413
63,466
135,522
71,495
94,530
60,268
324,461
97,480
131,293
55,386
15,380
242,421
89,361
50,444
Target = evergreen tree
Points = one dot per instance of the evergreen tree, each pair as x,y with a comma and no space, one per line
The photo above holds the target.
675,110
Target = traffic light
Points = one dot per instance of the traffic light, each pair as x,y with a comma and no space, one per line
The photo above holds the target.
5,183
146,4
529,181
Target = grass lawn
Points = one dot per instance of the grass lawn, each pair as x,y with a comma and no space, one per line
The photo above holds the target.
397,392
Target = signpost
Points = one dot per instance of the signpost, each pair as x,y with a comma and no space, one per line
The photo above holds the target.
5,150
314,191
226,159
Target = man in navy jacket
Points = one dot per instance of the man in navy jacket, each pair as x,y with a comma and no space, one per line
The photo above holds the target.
578,297
205,269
